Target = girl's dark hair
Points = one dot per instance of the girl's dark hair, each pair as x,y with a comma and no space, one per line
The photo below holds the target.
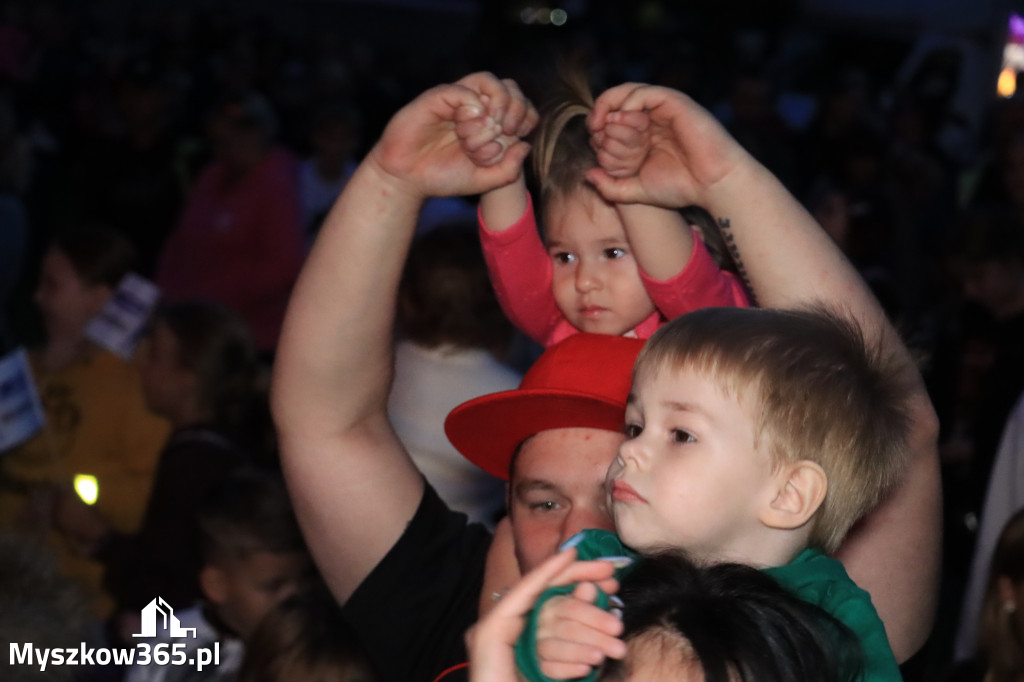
739,622
100,255
445,295
217,345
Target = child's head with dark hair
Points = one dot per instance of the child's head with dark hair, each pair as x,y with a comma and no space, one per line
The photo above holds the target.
445,294
201,364
99,255
305,638
79,273
253,551
754,433
725,623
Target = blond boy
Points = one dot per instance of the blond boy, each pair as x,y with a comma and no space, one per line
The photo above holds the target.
758,437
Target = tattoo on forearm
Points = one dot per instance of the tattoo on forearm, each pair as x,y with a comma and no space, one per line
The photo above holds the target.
725,225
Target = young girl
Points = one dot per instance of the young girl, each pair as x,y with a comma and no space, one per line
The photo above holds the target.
620,269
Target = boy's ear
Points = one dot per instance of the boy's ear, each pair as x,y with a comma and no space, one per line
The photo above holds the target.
801,490
213,583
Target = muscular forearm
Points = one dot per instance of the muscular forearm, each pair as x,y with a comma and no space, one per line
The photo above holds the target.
788,260
353,486
335,357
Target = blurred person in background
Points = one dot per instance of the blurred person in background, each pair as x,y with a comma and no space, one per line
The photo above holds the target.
200,371
97,422
239,239
453,338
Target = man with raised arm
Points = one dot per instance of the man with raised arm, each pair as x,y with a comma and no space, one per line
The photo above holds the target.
407,570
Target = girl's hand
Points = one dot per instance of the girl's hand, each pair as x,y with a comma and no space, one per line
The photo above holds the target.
622,142
491,642
689,152
486,135
421,155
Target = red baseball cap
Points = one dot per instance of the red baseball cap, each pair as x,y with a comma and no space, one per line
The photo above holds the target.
581,382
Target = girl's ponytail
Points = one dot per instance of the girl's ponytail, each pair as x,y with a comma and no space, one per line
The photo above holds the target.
562,152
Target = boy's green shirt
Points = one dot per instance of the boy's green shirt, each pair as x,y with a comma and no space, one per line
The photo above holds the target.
811,576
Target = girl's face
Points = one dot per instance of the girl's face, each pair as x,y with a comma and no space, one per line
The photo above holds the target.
595,281
66,301
166,385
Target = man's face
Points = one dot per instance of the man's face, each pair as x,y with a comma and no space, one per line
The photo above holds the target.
557,489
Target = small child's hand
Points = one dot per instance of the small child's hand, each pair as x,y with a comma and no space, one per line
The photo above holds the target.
480,136
622,141
573,634
484,135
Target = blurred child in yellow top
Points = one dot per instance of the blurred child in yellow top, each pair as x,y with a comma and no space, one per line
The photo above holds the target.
97,422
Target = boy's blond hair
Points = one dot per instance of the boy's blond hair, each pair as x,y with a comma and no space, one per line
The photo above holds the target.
817,390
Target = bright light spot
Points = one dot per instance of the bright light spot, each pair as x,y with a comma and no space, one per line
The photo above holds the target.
87,488
544,16
1013,55
558,17
1007,82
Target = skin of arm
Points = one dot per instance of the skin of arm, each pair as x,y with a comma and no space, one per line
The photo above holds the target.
502,207
660,238
484,138
502,568
788,261
352,483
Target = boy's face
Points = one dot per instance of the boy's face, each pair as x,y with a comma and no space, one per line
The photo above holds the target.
689,475
595,279
66,301
243,589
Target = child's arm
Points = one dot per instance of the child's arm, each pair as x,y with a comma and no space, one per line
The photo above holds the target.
675,267
660,238
354,487
788,261
517,261
484,138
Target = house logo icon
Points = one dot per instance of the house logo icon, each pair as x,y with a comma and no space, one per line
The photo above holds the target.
166,614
